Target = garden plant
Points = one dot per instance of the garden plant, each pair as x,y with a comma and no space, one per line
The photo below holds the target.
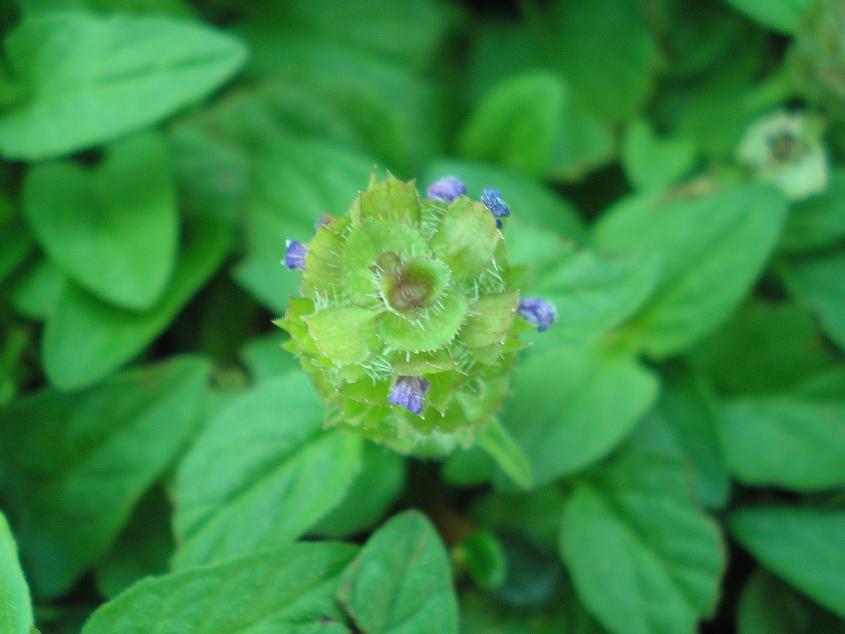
422,316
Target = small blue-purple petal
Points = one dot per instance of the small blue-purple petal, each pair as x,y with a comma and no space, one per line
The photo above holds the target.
492,199
295,255
323,221
446,189
409,392
538,311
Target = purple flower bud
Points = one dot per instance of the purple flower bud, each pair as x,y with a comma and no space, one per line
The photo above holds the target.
538,311
295,255
409,392
492,199
446,189
323,221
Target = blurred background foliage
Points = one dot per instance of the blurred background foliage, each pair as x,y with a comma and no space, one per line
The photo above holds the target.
684,420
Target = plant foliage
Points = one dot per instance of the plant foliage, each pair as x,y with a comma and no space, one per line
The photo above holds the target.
411,316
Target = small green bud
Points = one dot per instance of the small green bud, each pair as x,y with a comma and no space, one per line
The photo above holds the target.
408,320
482,556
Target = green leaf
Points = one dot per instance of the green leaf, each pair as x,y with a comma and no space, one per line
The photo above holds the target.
593,293
817,283
819,221
606,52
687,409
469,467
532,516
651,162
571,405
63,619
769,606
535,575
531,201
802,545
715,110
481,555
786,345
390,111
213,176
381,480
15,604
290,589
480,614
794,440
487,66
85,339
89,79
143,549
278,472
35,293
225,317
401,580
291,187
264,357
78,463
113,230
406,33
14,238
14,346
530,124
174,7
642,557
780,15
279,184
712,247
498,443
694,42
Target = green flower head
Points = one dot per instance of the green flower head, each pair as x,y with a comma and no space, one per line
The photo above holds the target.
785,149
407,321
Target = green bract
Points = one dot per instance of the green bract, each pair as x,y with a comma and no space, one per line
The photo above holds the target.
407,317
